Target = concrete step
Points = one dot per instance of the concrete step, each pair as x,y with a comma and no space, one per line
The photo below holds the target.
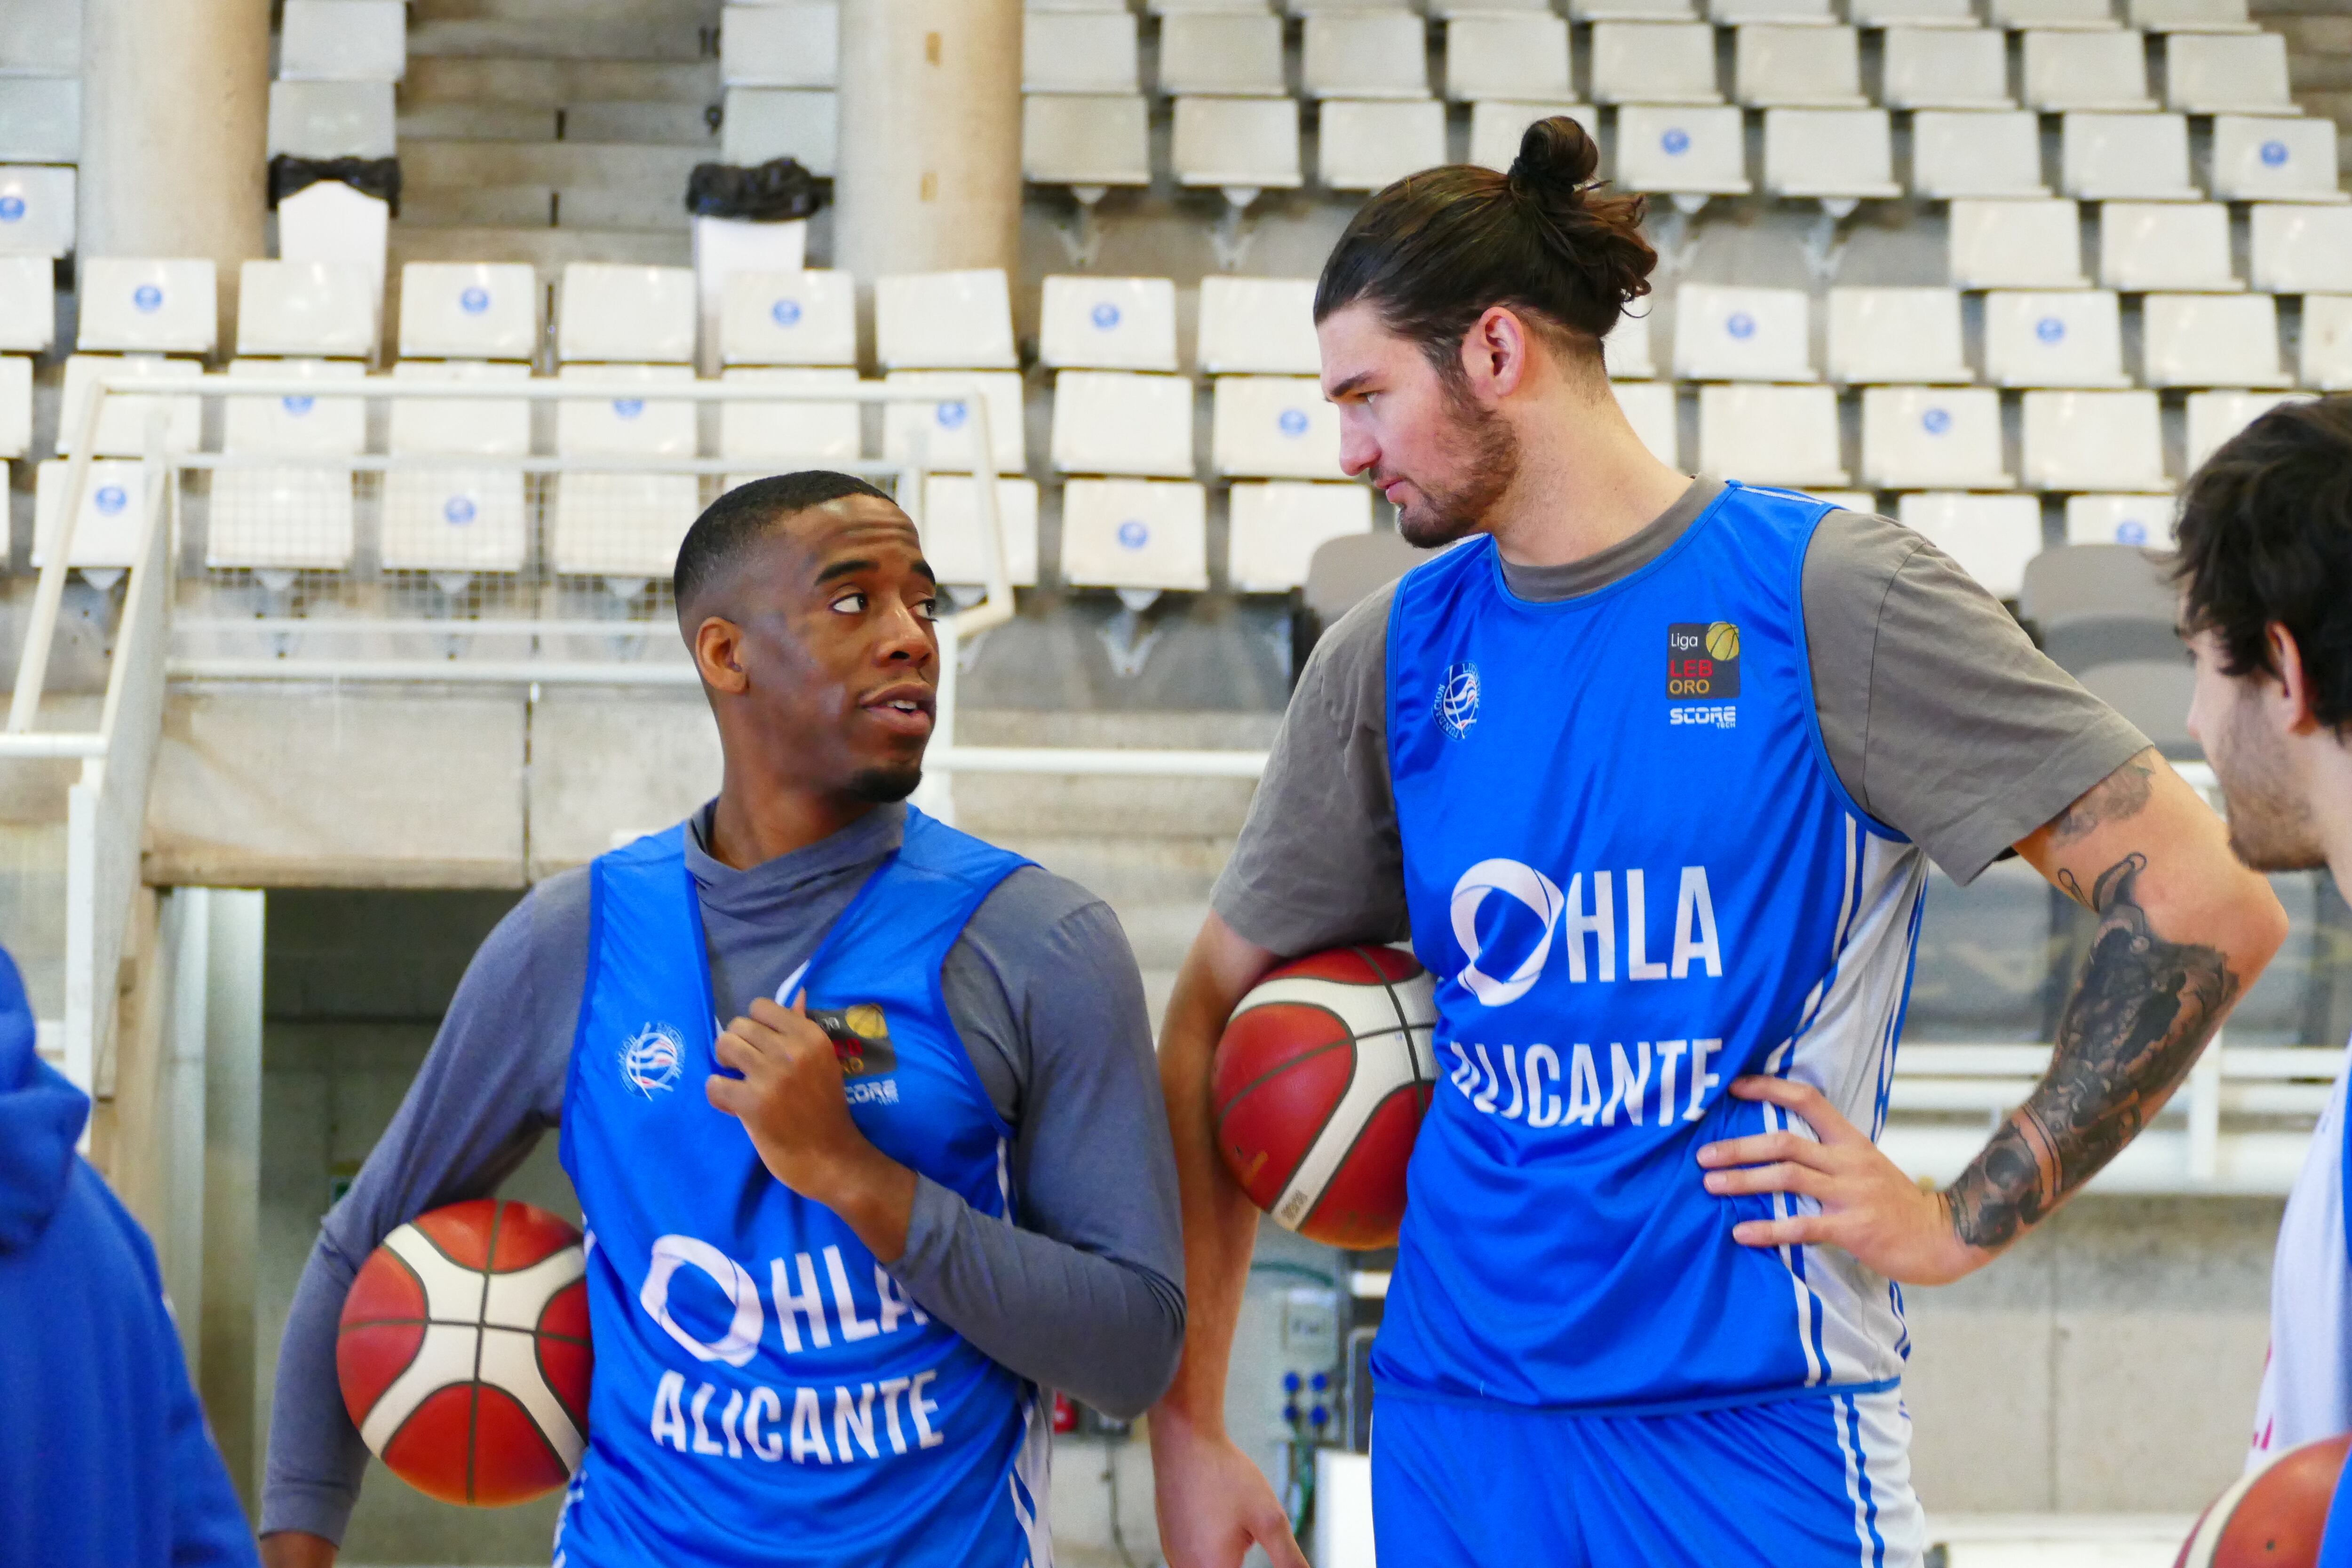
594,38
549,249
2320,73
653,123
554,207
563,165
555,83
451,121
2327,34
562,13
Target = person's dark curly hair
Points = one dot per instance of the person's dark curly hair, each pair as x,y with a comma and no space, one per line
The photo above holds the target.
2267,538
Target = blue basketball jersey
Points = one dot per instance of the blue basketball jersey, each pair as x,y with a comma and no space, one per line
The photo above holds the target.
1636,877
764,1391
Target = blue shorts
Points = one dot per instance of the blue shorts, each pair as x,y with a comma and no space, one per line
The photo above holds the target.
1818,1481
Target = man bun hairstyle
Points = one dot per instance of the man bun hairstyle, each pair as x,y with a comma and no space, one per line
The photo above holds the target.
2267,538
744,515
1436,249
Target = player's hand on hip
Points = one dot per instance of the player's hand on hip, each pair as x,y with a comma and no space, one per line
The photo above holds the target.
791,1101
1863,1202
1213,1502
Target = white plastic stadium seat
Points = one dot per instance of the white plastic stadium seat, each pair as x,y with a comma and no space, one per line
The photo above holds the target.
1731,333
462,310
627,314
1240,144
122,420
952,543
1746,13
1977,153
1448,8
1770,434
2327,342
1797,66
1257,326
1366,143
2265,158
1654,62
1934,437
1956,14
2215,416
944,320
1070,139
331,222
1625,352
628,426
309,425
139,306
2302,250
764,124
106,531
2016,244
284,519
310,308
1078,51
2093,15
490,428
1134,533
15,406
1091,322
40,119
2241,73
2125,157
788,318
2165,245
343,41
457,519
2092,441
1238,53
1682,149
332,119
1895,335
1988,537
28,304
2144,520
2105,70
2189,15
1651,408
1942,68
947,428
786,436
624,526
1278,427
1365,54
1835,154
2212,340
1277,527
1631,10
37,211
2053,338
1522,58
1123,422
780,46
1497,127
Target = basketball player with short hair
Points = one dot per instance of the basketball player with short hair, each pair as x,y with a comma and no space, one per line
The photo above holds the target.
1650,770
837,1245
2265,572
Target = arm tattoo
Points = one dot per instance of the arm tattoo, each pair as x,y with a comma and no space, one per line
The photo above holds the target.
2142,1010
2122,793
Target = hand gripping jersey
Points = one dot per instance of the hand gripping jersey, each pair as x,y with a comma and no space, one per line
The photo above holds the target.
2307,1386
764,1391
1636,877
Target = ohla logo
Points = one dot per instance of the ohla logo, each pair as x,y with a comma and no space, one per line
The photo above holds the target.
1585,917
1535,891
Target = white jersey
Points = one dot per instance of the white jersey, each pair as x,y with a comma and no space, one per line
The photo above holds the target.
2307,1386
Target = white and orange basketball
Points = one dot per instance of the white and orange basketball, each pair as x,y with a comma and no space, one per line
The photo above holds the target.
2274,1518
1320,1084
464,1355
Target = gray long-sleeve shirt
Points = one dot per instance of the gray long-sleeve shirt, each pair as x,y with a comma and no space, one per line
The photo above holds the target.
1084,1293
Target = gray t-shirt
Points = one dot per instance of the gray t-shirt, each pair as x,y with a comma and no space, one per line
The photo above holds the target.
1082,1293
1942,720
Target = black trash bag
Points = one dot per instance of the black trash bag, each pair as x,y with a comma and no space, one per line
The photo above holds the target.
773,192
378,177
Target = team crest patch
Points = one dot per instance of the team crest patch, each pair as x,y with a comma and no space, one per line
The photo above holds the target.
1702,661
1457,700
652,1060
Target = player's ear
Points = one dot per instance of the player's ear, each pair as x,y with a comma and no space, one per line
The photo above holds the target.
717,650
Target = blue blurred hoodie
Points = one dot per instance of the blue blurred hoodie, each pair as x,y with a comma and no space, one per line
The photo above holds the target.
104,1456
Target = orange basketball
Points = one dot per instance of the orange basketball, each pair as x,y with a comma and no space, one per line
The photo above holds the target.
463,1352
1320,1084
2274,1518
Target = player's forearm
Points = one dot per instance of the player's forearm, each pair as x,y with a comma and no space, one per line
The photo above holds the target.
2183,930
310,1480
1219,1222
296,1549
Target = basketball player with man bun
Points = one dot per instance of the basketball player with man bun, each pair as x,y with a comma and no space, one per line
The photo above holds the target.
1650,770
836,1245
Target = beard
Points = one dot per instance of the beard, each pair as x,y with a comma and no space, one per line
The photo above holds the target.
1486,464
886,785
2271,827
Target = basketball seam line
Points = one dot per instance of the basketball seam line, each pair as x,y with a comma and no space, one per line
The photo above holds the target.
459,1324
1404,1027
1348,1153
474,1391
1243,1092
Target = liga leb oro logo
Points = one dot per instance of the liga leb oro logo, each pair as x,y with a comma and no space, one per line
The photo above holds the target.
860,1037
1702,661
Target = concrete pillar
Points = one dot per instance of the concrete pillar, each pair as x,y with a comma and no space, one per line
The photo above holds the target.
174,122
232,1187
929,173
